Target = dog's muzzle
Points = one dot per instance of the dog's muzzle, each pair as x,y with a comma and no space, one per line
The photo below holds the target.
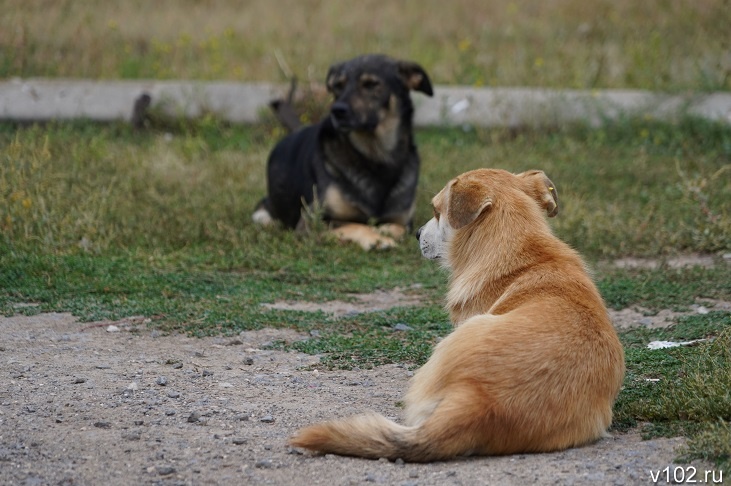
429,243
341,116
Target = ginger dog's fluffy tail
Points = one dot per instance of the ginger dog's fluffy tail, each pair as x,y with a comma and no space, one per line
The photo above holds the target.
370,435
374,436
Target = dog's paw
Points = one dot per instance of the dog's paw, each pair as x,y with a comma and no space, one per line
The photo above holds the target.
392,230
262,217
383,243
365,236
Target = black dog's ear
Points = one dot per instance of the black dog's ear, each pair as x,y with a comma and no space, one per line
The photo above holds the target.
334,76
415,77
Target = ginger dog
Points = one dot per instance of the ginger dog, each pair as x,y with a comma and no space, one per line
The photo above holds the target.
534,364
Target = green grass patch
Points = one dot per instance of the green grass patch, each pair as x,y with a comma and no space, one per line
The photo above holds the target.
684,390
372,339
663,288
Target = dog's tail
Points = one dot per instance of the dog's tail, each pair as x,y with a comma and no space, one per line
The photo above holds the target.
374,436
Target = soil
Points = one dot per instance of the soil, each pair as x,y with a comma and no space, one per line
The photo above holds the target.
117,403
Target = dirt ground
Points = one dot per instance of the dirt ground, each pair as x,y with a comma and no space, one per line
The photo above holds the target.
90,404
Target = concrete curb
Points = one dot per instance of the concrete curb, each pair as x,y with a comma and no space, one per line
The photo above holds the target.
64,99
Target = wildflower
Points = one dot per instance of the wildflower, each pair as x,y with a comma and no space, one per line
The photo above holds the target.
463,45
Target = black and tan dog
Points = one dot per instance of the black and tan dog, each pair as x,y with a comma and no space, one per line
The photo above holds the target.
360,164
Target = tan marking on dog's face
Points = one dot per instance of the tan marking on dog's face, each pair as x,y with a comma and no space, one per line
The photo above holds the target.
370,82
336,82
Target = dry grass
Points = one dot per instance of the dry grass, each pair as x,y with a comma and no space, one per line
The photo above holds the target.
667,45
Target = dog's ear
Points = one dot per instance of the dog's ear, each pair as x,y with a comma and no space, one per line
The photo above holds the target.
538,186
415,77
467,200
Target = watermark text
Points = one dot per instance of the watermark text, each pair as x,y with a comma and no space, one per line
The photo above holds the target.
686,475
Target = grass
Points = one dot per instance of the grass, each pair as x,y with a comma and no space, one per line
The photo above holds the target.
106,222
668,46
683,390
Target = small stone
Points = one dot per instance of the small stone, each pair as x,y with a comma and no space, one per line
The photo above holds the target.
235,342
30,408
402,327
155,334
249,361
315,333
79,380
239,440
243,417
139,422
134,435
133,386
702,310
103,425
413,474
399,462
370,478
161,380
169,412
103,367
165,470
194,417
173,394
267,419
112,328
177,365
264,464
207,373
294,452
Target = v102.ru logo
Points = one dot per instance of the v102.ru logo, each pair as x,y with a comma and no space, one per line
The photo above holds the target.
686,475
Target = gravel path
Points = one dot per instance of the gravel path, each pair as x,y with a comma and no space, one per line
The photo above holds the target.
82,405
